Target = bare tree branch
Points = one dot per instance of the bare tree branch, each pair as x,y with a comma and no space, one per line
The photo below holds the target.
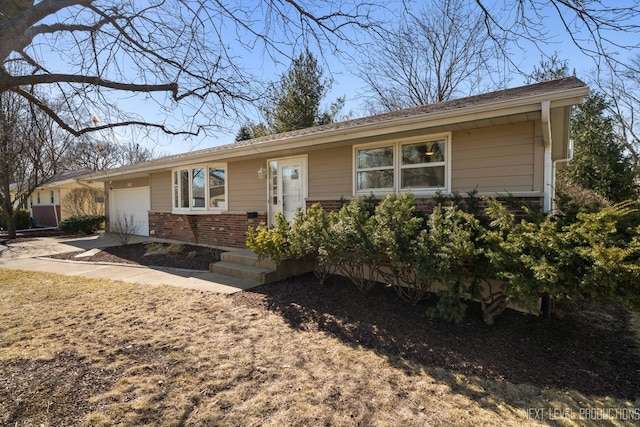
89,52
590,25
40,79
438,52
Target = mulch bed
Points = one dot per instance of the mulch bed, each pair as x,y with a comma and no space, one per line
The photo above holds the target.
189,256
587,349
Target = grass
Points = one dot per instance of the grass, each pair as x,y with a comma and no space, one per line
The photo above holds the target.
77,351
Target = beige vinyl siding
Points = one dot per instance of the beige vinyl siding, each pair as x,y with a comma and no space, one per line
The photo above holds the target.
538,159
161,188
128,183
330,173
246,191
495,159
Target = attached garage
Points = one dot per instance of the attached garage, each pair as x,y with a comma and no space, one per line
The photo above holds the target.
134,202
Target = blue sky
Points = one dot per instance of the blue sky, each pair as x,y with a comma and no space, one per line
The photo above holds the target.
349,85
346,83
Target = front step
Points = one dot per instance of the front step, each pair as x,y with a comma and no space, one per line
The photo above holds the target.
244,264
247,257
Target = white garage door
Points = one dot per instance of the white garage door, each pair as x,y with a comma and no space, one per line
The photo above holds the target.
131,201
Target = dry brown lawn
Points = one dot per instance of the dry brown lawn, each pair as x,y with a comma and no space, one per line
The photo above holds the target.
76,351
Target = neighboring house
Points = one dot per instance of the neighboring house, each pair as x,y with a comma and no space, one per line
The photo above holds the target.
54,202
504,142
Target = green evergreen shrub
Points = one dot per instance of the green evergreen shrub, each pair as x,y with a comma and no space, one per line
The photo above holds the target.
490,256
271,243
350,247
400,257
455,242
310,237
23,220
86,224
595,257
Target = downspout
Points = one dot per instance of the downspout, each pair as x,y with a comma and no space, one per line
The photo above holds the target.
55,210
549,167
555,162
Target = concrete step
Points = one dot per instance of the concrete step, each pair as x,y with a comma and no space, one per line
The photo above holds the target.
245,264
247,272
247,257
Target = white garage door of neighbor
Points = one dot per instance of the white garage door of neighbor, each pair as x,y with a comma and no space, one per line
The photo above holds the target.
132,201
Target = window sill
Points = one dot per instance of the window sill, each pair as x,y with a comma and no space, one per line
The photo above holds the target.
416,192
198,211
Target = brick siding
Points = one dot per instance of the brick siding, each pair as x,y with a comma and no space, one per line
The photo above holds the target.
426,204
229,230
222,230
45,216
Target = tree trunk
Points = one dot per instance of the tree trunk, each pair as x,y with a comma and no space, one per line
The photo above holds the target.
11,226
545,305
9,215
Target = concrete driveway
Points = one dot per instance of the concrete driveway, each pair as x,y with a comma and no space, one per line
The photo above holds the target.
30,255
44,246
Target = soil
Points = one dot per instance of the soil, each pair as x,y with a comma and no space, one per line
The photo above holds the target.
190,257
589,348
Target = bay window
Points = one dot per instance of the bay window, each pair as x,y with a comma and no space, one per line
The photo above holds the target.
200,188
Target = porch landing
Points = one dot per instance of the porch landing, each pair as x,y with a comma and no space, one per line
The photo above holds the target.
244,264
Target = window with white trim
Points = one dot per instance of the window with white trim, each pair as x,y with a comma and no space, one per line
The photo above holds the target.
375,168
417,165
200,188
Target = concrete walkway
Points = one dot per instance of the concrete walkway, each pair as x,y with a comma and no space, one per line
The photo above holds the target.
30,254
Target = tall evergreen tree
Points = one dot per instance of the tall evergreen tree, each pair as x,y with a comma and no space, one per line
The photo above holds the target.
599,161
251,130
551,69
294,102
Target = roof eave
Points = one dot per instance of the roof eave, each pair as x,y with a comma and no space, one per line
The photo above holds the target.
524,104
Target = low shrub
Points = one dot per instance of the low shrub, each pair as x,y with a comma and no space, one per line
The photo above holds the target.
271,243
122,227
87,224
490,256
399,244
23,221
310,237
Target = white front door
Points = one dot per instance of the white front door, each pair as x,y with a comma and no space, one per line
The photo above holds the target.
287,186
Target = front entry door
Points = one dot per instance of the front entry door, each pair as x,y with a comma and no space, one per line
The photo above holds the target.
287,187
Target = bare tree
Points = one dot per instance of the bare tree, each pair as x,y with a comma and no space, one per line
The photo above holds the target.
184,55
32,149
84,201
439,52
623,92
591,25
90,153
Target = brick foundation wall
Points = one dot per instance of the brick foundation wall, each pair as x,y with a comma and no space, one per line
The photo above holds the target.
223,230
426,204
327,205
45,215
